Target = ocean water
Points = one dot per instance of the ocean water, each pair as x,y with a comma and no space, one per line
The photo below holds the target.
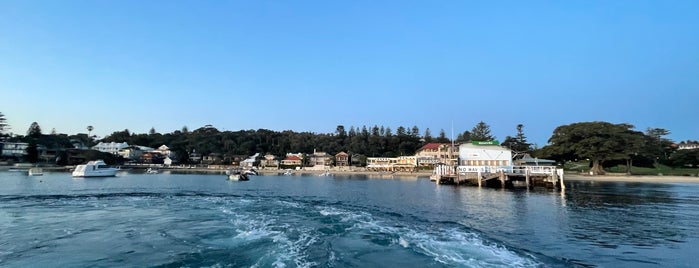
173,220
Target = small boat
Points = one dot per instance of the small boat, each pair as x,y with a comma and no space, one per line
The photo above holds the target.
95,168
152,171
236,175
326,173
287,172
251,172
35,171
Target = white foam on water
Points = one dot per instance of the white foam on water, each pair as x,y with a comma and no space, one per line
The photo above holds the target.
447,246
287,243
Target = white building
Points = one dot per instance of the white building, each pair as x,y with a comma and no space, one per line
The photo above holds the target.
485,157
111,147
14,149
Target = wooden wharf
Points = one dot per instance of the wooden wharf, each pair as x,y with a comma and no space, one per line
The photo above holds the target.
503,177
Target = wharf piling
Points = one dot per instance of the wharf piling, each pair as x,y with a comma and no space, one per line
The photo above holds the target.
503,177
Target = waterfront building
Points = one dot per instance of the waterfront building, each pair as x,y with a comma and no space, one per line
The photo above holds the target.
292,160
319,159
110,147
14,149
342,159
212,158
250,161
405,163
485,155
380,163
433,153
132,153
269,161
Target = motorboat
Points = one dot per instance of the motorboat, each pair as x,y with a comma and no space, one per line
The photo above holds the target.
251,172
35,171
236,175
287,172
152,171
96,168
326,173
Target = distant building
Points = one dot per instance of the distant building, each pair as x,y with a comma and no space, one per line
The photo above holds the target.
14,149
489,157
342,159
433,153
688,145
132,153
269,161
291,160
250,161
319,159
111,147
528,160
401,163
212,158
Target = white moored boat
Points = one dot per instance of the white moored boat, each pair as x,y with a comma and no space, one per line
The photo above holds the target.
95,168
35,171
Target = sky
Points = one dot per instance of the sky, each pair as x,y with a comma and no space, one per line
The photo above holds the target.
314,65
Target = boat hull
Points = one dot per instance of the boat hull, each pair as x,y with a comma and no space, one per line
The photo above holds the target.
238,177
94,169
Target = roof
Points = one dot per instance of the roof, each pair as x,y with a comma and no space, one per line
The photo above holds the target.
431,146
292,157
341,153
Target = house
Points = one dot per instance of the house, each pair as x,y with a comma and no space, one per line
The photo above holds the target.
431,154
405,163
164,150
250,161
195,158
342,159
269,161
212,158
688,145
14,149
132,153
380,163
110,147
401,163
291,160
319,159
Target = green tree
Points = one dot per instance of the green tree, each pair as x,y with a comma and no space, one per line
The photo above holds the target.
428,135
3,124
464,137
442,138
32,152
481,132
597,141
34,131
518,143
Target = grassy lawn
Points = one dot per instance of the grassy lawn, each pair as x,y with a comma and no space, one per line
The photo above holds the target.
660,169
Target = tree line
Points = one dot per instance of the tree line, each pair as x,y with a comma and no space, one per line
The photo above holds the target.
604,144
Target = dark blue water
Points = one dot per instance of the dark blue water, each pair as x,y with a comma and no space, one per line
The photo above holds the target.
172,220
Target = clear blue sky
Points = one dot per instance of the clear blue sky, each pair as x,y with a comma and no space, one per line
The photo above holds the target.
313,65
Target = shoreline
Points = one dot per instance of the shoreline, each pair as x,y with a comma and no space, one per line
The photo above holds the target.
410,175
632,178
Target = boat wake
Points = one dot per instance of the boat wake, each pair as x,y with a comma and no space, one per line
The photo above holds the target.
196,229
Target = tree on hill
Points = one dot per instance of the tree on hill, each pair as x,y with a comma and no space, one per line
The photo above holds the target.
481,132
3,124
518,143
34,131
596,141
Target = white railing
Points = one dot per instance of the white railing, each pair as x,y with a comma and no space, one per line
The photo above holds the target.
507,169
